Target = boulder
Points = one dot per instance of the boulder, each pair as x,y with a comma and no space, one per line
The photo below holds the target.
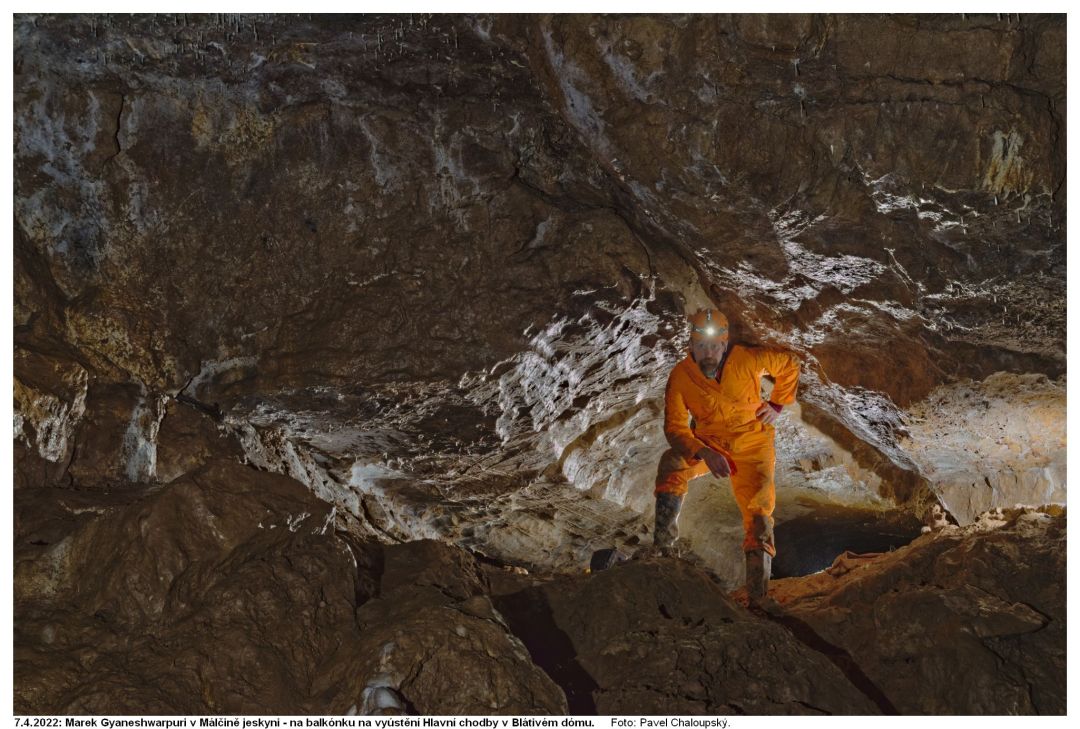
961,621
229,591
659,636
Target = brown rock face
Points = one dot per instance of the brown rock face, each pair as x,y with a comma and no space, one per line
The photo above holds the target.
965,621
960,622
443,202
435,637
662,638
435,269
229,591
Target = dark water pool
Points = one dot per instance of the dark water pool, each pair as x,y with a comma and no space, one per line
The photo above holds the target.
810,542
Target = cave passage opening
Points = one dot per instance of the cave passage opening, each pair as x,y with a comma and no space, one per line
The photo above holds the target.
811,542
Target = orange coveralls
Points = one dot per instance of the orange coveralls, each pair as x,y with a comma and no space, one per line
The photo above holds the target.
724,420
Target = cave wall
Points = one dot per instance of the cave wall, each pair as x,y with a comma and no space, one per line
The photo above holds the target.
431,271
391,241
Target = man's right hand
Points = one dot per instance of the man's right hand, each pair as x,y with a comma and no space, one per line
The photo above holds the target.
717,463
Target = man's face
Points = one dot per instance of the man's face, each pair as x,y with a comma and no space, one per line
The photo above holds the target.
707,353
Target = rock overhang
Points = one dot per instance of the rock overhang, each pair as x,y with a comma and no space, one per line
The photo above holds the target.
271,215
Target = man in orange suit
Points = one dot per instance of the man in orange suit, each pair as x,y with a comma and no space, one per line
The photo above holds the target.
717,422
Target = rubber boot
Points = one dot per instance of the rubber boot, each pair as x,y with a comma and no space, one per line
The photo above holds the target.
762,529
758,571
666,530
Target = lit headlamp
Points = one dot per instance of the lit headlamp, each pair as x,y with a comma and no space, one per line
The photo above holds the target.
708,328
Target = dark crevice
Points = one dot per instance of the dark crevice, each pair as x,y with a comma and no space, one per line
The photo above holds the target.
370,567
529,617
116,133
812,540
951,83
408,705
811,707
490,561
212,410
840,658
560,202
119,122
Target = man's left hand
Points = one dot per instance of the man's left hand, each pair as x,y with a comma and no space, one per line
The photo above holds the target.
768,413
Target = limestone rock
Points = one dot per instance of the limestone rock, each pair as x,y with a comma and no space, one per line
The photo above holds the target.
435,269
962,621
50,404
187,438
991,444
228,590
660,637
432,262
755,161
117,439
435,638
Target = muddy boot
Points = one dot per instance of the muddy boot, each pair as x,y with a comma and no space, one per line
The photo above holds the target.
758,570
763,533
666,531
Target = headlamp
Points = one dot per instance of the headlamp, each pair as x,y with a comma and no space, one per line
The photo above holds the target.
710,329
703,325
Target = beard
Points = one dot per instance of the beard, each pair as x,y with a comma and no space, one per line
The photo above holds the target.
708,367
